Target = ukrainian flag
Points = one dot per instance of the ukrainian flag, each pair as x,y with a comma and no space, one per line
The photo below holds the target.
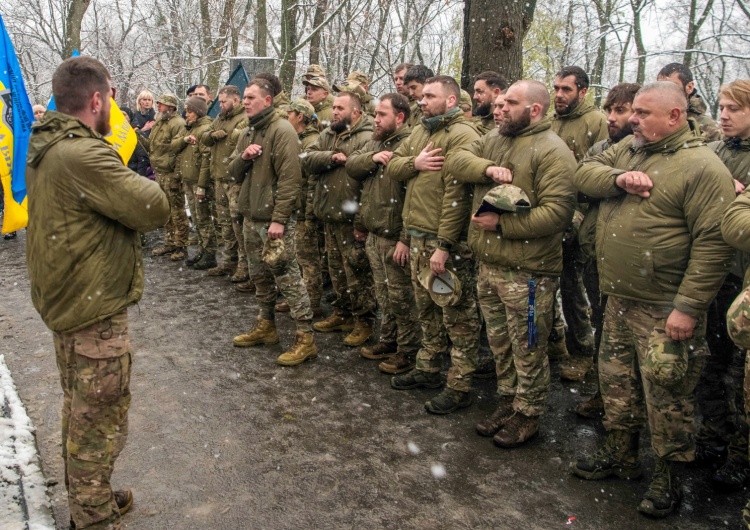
15,128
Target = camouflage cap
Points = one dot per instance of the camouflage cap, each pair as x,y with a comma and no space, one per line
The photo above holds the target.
359,77
273,253
738,320
168,99
352,86
318,82
445,289
666,360
314,70
302,106
465,100
505,198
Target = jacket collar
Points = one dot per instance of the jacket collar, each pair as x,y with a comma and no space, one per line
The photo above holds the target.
682,138
583,107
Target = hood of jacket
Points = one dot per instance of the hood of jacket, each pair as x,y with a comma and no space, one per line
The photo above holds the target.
52,128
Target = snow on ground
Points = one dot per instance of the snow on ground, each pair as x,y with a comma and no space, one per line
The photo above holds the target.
23,493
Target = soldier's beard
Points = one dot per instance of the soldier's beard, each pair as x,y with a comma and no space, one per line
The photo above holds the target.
620,133
512,127
341,125
483,110
381,133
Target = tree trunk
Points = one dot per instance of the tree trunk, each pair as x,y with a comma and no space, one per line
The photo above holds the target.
637,6
493,38
261,30
288,43
603,13
694,26
320,13
73,27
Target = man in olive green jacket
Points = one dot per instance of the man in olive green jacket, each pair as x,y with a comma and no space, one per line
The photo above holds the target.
661,261
379,218
519,254
318,93
86,268
681,75
436,216
266,164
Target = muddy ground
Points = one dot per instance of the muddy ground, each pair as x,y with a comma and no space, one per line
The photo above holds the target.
223,438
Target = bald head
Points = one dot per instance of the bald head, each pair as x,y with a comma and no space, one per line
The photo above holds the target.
659,109
670,94
535,92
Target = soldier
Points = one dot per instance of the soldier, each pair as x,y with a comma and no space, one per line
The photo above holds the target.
580,125
414,81
661,261
516,234
162,149
280,97
487,86
436,215
399,71
193,165
84,257
333,198
682,76
387,242
464,103
317,93
719,394
314,70
266,164
202,91
221,140
358,79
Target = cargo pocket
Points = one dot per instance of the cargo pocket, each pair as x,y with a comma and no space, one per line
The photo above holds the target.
357,256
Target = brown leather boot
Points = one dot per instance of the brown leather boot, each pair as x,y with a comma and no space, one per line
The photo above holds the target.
304,348
223,269
398,364
335,322
161,251
518,430
359,335
493,423
179,254
575,367
241,275
380,351
264,332
283,307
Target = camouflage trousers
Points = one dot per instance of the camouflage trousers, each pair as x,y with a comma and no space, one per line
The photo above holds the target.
504,300
309,259
628,328
395,296
177,227
273,267
201,211
94,365
350,272
230,219
459,322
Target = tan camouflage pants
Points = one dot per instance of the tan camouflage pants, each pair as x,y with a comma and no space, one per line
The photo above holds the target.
309,258
177,228
504,300
94,365
204,225
629,397
459,322
230,220
350,272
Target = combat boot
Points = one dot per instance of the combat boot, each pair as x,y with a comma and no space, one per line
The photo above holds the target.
575,367
592,407
245,287
241,275
518,430
304,348
161,251
335,322
283,307
179,254
417,379
264,332
448,401
557,350
195,259
222,270
124,501
398,364
207,261
618,456
733,475
664,493
359,335
493,423
382,350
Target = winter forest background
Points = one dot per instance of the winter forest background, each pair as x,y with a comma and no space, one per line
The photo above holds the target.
168,45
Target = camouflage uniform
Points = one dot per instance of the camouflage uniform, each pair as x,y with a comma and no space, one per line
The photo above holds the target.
697,109
308,233
350,271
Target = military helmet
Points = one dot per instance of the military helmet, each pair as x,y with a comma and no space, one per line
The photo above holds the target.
465,101
168,99
444,289
351,86
314,70
505,198
666,360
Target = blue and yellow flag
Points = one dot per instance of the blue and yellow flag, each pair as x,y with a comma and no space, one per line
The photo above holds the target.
16,117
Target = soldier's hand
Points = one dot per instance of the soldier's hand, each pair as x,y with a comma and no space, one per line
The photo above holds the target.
200,193
219,135
499,175
360,236
679,325
276,231
252,152
437,261
486,221
148,126
401,254
739,187
635,182
383,157
192,140
338,158
428,160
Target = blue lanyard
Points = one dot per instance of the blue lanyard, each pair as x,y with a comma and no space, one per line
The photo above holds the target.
533,342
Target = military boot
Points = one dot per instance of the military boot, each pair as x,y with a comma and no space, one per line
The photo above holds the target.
359,335
161,251
283,307
518,430
618,456
304,348
380,351
222,270
592,407
733,475
448,401
264,332
195,259
664,493
493,423
417,379
398,364
335,322
245,287
124,501
575,367
207,261
179,254
241,275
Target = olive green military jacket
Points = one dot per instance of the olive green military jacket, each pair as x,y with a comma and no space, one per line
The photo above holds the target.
484,123
222,148
735,227
270,182
415,115
324,112
581,129
281,104
697,110
85,211
306,139
541,164
334,196
665,249
587,230
193,161
435,203
382,197
163,143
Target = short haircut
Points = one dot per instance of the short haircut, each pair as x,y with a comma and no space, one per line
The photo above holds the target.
419,73
673,94
683,73
402,66
738,91
76,80
208,90
265,87
272,80
399,103
356,102
449,85
582,79
621,94
141,95
230,90
493,79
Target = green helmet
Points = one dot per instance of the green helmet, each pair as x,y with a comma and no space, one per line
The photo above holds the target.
505,198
